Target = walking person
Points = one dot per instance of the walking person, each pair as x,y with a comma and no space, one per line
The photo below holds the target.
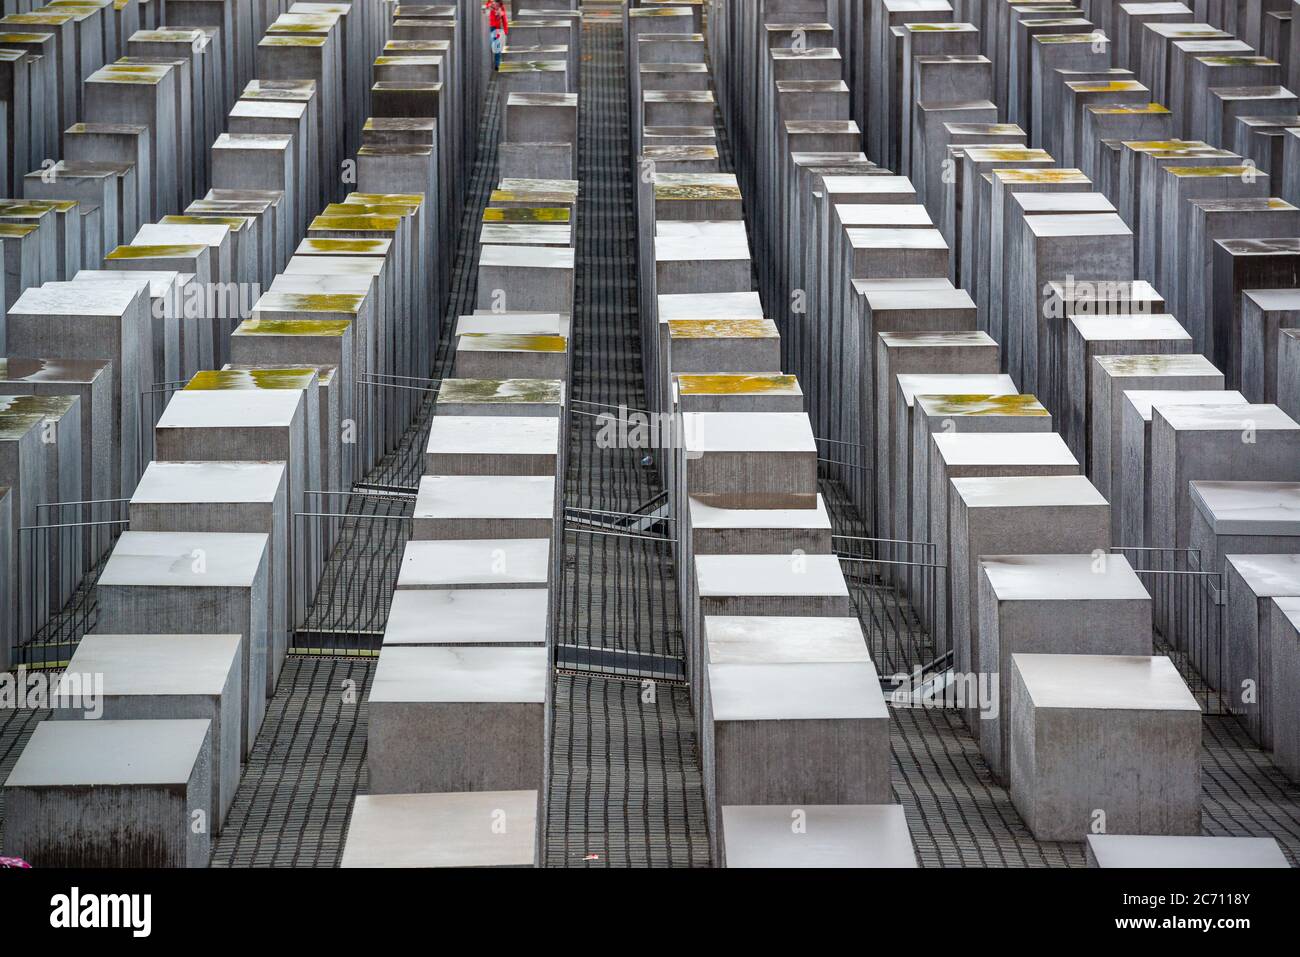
498,29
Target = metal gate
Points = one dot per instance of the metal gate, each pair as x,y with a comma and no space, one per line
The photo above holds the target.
1189,622
388,438
346,554
60,558
896,588
617,610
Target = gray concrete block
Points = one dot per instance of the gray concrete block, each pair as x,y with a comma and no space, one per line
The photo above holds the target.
111,794
1104,740
457,719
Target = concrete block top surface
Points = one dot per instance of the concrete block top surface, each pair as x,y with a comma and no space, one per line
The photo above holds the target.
292,90
225,380
930,340
688,186
494,435
770,383
338,266
1253,93
896,238
938,6
525,234
1217,418
837,835
722,329
488,616
161,282
1285,246
314,328
1289,606
697,241
1172,364
811,691
134,74
1143,400
758,575
15,426
167,483
110,753
878,214
983,130
485,496
806,158
675,96
155,664
533,66
1275,300
751,640
500,341
186,559
1004,154
1268,576
528,214
276,142
120,129
1027,491
504,391
1041,202
912,384
1066,225
1016,177
527,257
1002,448
79,299
709,517
710,305
1176,851
443,830
239,408
1128,109
748,432
1062,578
53,406
674,68
808,53
1104,682
51,370
1249,508
1109,292
268,109
856,185
884,294
682,153
1127,326
483,562
460,675
176,234
942,406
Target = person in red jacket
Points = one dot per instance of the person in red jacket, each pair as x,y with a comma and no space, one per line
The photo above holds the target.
498,29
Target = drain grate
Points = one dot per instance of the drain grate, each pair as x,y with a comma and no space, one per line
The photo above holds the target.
309,761
626,789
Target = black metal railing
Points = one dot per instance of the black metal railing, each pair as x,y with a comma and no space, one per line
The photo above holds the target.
1189,619
347,552
60,558
896,587
150,406
846,473
387,454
